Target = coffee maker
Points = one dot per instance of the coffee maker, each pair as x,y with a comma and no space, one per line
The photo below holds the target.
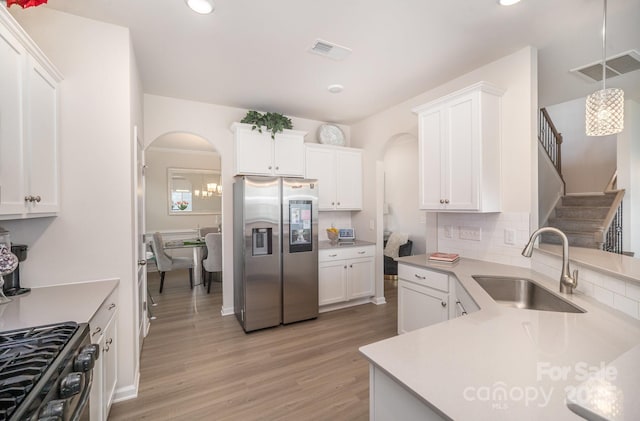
12,281
11,285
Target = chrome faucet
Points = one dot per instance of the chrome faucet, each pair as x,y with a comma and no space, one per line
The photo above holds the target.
567,282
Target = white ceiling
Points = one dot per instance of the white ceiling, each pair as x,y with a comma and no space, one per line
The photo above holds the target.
253,53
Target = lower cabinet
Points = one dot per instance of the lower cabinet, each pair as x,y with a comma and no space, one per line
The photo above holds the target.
104,333
345,274
426,297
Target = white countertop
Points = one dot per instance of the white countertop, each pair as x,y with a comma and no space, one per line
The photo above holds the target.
328,245
76,302
618,265
460,366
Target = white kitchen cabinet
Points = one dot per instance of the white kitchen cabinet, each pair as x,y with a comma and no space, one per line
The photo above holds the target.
346,275
464,304
459,151
104,333
423,298
29,162
339,174
258,154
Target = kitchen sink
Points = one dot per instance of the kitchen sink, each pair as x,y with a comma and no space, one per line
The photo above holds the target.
524,293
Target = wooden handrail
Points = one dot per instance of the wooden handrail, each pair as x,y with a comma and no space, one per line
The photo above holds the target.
551,140
613,182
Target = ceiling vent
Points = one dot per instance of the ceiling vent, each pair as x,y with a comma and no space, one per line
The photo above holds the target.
626,62
331,50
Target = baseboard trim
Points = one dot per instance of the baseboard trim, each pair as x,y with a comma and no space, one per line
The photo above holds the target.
227,311
128,392
379,300
345,304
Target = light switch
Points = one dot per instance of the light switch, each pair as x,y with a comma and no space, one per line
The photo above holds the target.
509,236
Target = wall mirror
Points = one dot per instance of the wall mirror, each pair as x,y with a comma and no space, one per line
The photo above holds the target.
194,192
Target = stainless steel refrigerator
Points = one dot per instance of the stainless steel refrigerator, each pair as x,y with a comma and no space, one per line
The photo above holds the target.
275,226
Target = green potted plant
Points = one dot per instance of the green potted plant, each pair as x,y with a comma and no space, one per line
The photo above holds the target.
274,122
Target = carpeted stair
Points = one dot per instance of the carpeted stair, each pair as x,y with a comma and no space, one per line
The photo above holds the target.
581,218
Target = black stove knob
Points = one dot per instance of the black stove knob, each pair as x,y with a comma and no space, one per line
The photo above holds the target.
93,349
54,409
84,361
71,385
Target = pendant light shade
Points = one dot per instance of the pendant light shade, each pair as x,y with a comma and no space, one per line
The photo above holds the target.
605,108
605,112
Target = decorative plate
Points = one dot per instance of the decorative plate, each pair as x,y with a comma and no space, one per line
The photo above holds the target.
330,134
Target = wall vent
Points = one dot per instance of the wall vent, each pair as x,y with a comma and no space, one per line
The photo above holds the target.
617,65
329,49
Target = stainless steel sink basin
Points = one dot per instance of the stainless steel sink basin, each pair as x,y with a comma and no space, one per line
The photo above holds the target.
524,293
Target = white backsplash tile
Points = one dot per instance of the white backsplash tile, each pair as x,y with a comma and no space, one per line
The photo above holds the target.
626,305
491,246
340,219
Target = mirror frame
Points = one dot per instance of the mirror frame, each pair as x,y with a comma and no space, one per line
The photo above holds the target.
171,172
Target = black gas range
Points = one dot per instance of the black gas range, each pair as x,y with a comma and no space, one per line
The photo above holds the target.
46,372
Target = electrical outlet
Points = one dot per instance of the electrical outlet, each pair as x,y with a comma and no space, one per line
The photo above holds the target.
448,231
509,236
372,224
470,233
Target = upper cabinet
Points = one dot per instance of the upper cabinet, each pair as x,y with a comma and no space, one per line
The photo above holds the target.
459,151
339,174
257,154
29,162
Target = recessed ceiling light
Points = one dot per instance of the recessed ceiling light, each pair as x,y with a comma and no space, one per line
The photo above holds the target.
508,2
335,88
203,7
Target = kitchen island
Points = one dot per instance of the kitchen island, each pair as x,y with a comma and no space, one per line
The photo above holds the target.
498,363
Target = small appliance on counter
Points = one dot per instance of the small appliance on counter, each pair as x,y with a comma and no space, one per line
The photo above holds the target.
346,234
12,281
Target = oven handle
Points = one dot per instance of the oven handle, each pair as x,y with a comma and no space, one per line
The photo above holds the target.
84,396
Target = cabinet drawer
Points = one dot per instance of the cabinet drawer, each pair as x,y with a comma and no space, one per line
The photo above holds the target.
101,318
424,277
345,253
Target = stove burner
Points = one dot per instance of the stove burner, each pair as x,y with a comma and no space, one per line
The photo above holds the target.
25,355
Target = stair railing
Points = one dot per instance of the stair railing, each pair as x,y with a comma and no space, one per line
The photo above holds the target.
612,241
551,141
613,182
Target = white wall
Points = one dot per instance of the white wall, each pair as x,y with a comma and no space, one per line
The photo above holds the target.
212,122
157,207
92,236
517,75
588,162
550,187
629,175
401,183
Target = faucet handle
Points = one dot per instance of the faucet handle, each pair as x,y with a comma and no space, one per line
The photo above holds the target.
575,278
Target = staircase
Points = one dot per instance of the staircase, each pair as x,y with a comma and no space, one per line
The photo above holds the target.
585,219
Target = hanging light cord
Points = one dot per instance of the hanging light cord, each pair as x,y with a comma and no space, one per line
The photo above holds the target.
604,45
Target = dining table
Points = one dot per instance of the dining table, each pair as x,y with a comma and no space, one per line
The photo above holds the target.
197,244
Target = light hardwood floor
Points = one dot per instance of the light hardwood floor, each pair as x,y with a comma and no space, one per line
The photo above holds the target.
198,365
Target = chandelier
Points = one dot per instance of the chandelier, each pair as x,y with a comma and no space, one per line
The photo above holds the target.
605,108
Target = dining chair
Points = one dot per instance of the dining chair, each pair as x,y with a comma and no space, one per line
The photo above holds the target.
202,232
166,263
213,262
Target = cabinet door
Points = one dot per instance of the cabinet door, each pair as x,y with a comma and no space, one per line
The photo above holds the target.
360,277
463,131
419,306
349,180
110,365
42,140
320,164
253,152
288,155
432,157
96,407
332,282
12,61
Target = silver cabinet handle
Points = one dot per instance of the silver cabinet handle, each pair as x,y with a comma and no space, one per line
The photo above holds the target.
345,266
277,168
419,277
351,266
361,252
464,311
37,199
269,166
109,341
446,200
333,203
338,203
443,304
98,330
142,262
111,306
332,255
441,200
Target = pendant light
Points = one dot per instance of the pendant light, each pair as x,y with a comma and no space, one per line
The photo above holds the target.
605,108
